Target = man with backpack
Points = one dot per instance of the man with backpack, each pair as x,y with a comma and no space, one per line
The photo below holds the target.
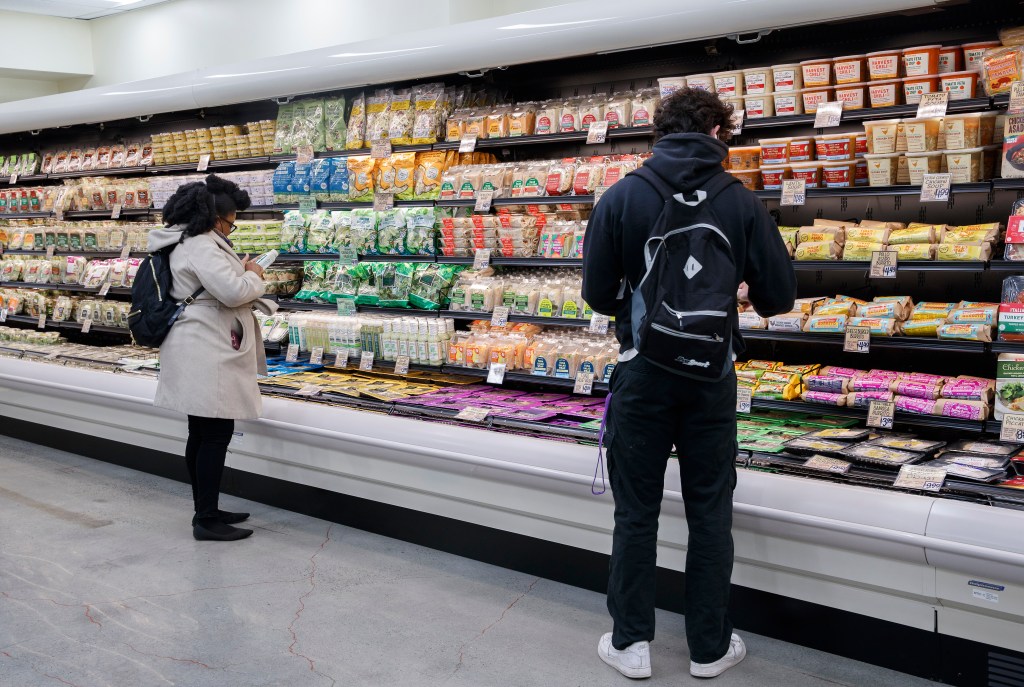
667,250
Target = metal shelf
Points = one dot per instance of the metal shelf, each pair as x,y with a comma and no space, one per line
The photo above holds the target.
532,200
905,266
516,262
568,137
934,421
53,324
1006,266
866,114
529,319
81,253
522,377
105,214
1008,184
905,190
913,342
26,215
277,159
74,288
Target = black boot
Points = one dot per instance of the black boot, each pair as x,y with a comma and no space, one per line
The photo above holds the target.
214,530
225,517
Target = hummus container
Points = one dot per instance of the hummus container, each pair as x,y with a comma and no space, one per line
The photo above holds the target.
758,81
881,136
788,103
815,96
916,86
853,96
861,148
750,178
774,151
962,85
810,172
816,73
772,177
744,158
801,149
759,106
922,60
951,59
833,147
729,84
974,53
883,169
919,164
670,84
888,93
850,69
922,134
787,78
884,64
838,174
969,130
860,173
965,166
705,82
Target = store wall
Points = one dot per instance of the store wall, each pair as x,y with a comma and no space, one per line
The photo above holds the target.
44,48
19,89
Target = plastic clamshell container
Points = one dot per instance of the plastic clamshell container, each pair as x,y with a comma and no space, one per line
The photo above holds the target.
788,103
750,178
884,64
882,135
744,158
670,84
838,174
853,96
729,84
833,147
774,151
951,59
758,81
705,82
916,86
860,173
814,97
759,106
921,60
773,176
922,134
883,168
888,93
962,85
801,149
810,172
787,78
817,73
965,166
850,69
919,164
969,130
974,54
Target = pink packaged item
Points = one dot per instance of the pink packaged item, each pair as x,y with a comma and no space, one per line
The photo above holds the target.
824,397
862,399
888,374
870,383
916,389
840,372
920,406
924,377
963,410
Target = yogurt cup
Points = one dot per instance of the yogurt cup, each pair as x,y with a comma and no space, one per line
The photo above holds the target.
888,93
729,84
816,73
921,60
916,86
759,106
787,78
853,96
951,59
788,103
884,64
962,85
758,81
974,53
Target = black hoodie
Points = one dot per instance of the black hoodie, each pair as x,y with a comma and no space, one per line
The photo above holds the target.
623,219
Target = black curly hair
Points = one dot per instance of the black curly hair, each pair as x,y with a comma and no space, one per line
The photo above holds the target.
693,111
198,205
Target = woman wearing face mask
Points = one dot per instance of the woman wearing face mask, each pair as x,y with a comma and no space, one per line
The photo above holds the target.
210,358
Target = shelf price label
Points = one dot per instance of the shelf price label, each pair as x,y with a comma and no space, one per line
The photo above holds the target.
468,143
204,162
737,121
482,258
341,358
105,289
933,104
125,252
935,188
500,316
41,324
346,307
599,191
496,373
880,414
1016,99
599,324
3,314
366,361
115,211
383,201
13,180
828,115
303,155
307,204
1013,428
794,192
597,132
883,264
858,340
86,326
584,383
920,478
473,414
347,255
292,356
402,365
825,464
380,148
309,390
316,356
483,201
744,399
50,251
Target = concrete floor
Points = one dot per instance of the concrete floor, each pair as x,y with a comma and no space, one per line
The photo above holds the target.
102,584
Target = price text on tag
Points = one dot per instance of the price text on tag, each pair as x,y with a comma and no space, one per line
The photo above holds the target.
204,162
496,373
468,143
599,191
858,340
347,255
737,122
840,467
366,361
883,264
920,477
1016,99
599,324
293,353
828,115
499,318
341,359
316,355
598,132
1013,428
86,326
42,321
880,414
381,148
309,390
3,314
744,399
483,201
794,192
473,414
115,211
482,258
933,104
307,204
402,365
935,187
584,383
50,250
125,252
13,180
346,307
383,201
303,155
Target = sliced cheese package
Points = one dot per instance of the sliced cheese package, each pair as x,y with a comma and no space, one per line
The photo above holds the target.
861,250
826,324
968,332
818,250
879,326
913,251
964,251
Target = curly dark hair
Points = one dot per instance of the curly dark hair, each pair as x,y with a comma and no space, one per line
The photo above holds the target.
198,205
693,111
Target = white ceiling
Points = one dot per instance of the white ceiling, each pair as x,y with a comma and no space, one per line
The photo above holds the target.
75,9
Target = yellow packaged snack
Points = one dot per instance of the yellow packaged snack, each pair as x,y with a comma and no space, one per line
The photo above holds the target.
968,332
861,250
932,311
875,224
826,324
868,234
800,369
838,224
840,298
892,309
360,177
780,377
844,308
807,305
879,326
914,251
971,233
927,234
824,250
766,365
964,251
928,327
821,235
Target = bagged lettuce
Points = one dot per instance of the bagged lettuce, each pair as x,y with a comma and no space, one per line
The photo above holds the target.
334,123
364,231
391,232
342,220
338,183
347,281
321,232
320,178
420,234
293,233
368,287
394,279
282,181
314,280
431,285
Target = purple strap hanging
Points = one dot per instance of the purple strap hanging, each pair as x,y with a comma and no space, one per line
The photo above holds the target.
599,468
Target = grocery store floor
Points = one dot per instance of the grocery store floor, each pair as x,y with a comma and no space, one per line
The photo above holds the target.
101,584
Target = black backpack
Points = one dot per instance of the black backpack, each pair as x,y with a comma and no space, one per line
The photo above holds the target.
153,310
684,307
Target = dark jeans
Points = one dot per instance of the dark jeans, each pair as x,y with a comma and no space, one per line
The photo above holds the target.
651,410
205,451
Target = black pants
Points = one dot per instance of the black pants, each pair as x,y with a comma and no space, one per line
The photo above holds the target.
205,451
651,410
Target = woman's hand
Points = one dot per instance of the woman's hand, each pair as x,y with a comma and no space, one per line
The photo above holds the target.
251,266
741,294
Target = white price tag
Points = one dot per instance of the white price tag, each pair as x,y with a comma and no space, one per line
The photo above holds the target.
599,324
58,213
50,250
366,361
125,252
920,477
3,313
383,201
496,373
933,104
309,390
935,187
380,148
303,155
828,115
473,414
402,365
499,318
597,132
307,205
41,324
316,356
858,340
346,307
883,264
744,399
794,192
1013,428
826,464
115,211
293,353
1016,99
880,414
468,143
13,180
341,358
599,191
483,201
347,255
482,258
204,162
737,122
105,289
86,326
584,383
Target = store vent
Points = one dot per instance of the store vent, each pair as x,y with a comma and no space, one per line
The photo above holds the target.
1005,671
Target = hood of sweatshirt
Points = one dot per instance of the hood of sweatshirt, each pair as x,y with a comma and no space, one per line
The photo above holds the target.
162,237
687,161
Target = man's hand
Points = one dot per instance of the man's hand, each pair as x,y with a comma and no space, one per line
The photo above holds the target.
741,294
251,266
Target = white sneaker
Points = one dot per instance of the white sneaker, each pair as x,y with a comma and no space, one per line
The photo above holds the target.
736,653
634,661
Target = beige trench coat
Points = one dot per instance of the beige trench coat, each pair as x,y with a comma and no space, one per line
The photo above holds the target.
200,371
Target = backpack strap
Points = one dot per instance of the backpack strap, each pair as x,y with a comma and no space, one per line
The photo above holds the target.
714,186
